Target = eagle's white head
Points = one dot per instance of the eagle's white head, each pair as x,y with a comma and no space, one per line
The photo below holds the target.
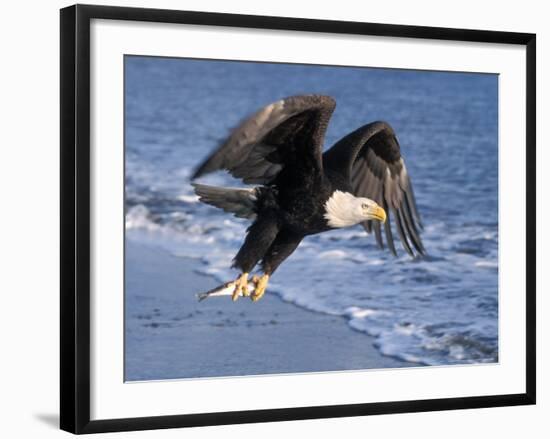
343,209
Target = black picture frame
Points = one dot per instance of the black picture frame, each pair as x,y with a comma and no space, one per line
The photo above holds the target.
75,217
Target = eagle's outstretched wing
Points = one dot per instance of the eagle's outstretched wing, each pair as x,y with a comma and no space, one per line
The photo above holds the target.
287,132
370,159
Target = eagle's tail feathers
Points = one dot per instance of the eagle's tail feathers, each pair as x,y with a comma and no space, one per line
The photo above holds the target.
239,201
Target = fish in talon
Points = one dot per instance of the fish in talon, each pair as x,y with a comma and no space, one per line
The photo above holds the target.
241,287
226,289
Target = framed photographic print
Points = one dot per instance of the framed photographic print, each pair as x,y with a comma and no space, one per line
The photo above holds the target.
268,218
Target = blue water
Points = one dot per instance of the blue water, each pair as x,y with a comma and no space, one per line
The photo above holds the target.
439,310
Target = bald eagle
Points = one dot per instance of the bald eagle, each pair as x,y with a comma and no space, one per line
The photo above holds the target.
300,191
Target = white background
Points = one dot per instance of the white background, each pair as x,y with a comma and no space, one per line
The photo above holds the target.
30,204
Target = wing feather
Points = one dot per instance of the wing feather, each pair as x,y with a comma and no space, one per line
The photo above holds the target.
387,230
401,231
287,131
370,159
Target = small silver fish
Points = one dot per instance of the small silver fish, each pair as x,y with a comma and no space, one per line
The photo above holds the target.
225,289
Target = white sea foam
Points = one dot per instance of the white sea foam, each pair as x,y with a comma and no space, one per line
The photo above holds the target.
189,198
138,217
355,312
333,254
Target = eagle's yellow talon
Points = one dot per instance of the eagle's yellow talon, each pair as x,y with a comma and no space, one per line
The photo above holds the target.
260,286
241,287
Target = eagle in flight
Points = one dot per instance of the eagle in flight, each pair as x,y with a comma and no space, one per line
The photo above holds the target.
299,190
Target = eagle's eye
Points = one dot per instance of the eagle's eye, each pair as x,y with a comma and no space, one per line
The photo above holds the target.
365,206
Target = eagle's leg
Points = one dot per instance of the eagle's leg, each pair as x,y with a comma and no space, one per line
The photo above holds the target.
241,287
281,248
260,284
259,238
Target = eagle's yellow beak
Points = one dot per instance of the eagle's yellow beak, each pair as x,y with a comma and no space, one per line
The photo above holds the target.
377,213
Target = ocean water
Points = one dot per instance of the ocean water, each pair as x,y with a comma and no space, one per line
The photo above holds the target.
439,310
